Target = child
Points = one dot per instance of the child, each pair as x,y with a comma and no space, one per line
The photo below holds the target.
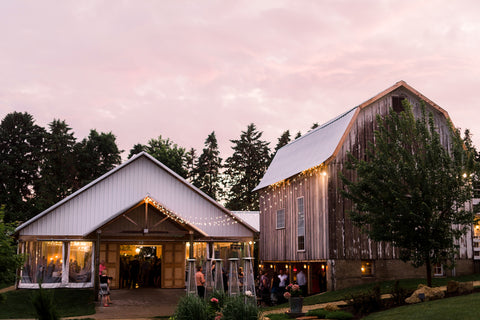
105,288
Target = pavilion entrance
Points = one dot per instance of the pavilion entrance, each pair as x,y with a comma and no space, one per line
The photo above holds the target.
145,264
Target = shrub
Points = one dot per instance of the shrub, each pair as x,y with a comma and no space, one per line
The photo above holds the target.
240,308
339,315
191,307
44,306
366,302
319,313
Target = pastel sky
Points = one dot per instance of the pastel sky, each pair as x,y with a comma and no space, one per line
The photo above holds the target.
182,69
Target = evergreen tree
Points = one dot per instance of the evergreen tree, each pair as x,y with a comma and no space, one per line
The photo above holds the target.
96,155
207,169
21,147
58,168
245,168
168,153
411,190
283,140
298,135
190,161
314,126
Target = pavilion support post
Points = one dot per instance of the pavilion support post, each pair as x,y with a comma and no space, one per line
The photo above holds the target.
190,252
97,263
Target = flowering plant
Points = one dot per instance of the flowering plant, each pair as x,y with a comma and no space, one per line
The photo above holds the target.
292,290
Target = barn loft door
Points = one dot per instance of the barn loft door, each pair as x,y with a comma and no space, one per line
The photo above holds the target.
173,265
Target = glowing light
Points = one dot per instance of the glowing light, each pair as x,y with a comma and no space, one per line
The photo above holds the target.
304,266
363,269
250,242
286,266
137,250
271,266
323,267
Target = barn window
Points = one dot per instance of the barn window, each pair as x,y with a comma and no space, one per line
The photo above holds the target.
281,219
397,105
300,225
367,268
438,270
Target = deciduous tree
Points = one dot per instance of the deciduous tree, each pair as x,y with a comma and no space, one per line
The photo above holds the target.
96,155
411,189
21,148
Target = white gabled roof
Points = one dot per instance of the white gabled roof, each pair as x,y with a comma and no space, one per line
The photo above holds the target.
318,145
121,188
308,151
250,217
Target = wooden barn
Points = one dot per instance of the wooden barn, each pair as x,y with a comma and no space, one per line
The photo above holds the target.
304,222
140,211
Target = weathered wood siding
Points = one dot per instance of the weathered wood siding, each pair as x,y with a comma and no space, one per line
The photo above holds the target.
281,244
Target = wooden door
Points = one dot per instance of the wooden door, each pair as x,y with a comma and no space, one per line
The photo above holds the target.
109,252
173,265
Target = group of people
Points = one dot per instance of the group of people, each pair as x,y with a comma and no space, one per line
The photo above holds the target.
272,285
137,271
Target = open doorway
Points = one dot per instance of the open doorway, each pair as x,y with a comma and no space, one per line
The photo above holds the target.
140,266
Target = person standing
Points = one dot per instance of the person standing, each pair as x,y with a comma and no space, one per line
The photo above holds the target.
282,285
105,288
200,281
302,282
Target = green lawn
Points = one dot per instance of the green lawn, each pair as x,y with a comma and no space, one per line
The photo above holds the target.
69,303
385,286
462,307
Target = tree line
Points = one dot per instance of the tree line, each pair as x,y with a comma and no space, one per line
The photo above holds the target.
41,166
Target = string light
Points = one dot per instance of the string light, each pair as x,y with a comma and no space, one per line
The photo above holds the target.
223,220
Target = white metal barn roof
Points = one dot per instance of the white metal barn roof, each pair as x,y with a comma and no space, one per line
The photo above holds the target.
250,217
123,187
308,151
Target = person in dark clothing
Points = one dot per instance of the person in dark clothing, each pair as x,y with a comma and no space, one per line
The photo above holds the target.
134,271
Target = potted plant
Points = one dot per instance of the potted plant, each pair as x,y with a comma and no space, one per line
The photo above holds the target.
294,295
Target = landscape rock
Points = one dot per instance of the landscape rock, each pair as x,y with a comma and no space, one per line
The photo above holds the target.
465,287
429,293
331,307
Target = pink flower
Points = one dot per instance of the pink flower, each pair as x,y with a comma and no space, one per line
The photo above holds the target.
215,300
287,295
295,287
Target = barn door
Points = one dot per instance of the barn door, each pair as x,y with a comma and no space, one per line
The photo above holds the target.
173,265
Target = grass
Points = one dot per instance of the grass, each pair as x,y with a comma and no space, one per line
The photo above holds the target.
385,287
68,302
461,307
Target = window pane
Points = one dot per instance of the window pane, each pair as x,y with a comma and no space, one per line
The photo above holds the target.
44,262
300,225
80,262
367,268
281,219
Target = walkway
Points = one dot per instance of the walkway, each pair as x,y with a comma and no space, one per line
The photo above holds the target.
140,303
